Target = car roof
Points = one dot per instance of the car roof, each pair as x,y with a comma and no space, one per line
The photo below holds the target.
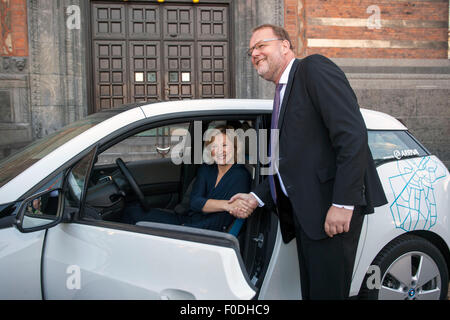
374,120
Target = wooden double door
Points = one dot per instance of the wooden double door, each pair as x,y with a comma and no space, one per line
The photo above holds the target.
153,52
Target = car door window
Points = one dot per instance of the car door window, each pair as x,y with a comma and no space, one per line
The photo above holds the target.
155,143
393,145
76,180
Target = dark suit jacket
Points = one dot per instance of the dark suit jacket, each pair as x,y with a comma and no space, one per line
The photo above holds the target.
324,156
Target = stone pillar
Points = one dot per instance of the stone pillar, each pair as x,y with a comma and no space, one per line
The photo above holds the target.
57,65
249,14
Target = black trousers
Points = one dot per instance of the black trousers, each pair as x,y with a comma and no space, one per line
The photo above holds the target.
326,265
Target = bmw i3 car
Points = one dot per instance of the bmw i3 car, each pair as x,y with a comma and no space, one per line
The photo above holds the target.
62,200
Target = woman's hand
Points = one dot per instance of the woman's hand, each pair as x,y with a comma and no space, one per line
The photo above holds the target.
246,204
240,208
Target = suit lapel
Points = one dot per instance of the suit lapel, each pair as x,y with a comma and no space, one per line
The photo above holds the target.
287,92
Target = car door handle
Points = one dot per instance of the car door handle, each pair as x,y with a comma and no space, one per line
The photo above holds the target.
176,294
163,151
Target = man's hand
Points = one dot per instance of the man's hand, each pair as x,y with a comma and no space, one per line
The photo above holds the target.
239,208
337,221
245,205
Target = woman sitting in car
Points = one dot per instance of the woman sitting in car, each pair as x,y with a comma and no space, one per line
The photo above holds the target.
214,185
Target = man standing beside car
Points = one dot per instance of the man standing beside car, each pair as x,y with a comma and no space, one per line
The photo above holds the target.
326,178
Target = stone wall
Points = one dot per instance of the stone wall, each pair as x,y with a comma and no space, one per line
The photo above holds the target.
15,122
57,66
248,15
42,70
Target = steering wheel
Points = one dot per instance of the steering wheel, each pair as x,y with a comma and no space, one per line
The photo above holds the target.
123,168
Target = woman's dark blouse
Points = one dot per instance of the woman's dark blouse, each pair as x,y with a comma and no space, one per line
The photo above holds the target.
236,180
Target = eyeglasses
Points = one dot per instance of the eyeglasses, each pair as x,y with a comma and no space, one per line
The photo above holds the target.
259,45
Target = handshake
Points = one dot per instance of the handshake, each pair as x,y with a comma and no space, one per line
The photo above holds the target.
242,205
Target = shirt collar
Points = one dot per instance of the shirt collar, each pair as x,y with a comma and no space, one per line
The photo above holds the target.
285,75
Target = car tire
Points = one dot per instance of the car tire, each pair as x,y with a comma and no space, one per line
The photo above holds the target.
410,268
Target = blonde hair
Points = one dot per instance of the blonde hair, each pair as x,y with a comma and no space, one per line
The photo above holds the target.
224,129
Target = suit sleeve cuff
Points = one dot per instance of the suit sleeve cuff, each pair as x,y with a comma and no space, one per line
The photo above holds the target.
260,203
345,207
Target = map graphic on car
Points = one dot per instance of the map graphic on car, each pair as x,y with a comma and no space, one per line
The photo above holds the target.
414,205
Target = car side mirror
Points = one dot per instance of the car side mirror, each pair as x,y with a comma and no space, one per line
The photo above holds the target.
40,211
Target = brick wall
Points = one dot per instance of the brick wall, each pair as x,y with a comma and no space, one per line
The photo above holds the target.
13,28
293,22
369,29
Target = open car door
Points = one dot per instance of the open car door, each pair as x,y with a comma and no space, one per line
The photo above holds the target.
97,259
83,261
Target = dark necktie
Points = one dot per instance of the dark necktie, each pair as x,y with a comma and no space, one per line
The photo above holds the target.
274,125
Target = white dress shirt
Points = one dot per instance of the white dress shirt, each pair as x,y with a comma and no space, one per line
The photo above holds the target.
283,81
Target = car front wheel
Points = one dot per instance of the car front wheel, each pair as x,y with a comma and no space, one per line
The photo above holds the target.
411,268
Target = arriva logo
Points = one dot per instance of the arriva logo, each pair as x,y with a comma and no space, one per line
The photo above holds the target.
398,154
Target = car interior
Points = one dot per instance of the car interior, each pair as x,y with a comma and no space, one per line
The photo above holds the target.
138,168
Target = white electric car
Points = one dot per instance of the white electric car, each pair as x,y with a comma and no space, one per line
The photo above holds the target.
62,199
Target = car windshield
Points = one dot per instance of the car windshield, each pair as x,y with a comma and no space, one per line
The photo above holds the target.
18,162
